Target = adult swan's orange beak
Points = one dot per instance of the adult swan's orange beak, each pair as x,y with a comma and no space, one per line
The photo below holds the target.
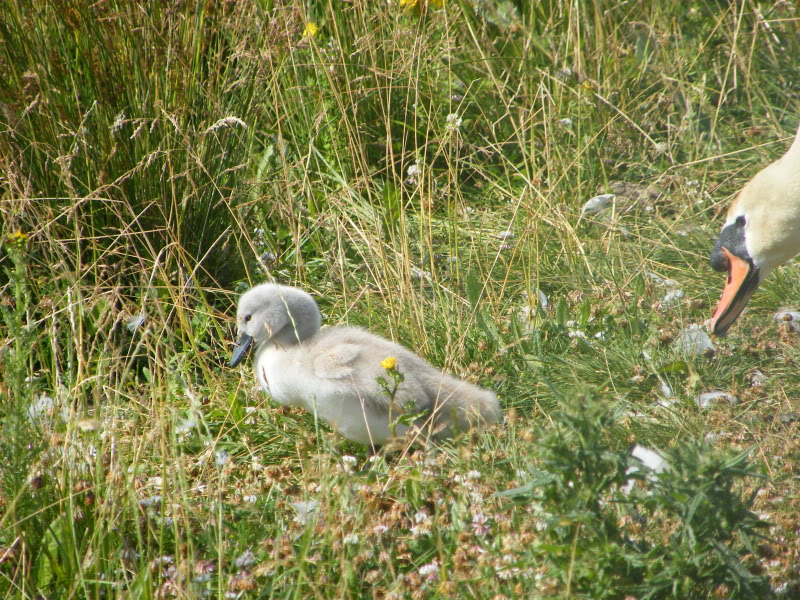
743,279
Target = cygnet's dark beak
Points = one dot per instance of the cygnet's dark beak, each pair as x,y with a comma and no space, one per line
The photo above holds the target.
242,346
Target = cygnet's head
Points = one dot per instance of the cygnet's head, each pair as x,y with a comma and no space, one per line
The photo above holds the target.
274,313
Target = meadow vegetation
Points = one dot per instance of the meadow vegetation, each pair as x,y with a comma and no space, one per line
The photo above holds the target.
421,168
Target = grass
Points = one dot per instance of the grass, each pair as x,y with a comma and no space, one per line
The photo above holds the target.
158,159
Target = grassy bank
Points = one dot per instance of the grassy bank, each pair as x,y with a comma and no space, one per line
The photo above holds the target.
422,170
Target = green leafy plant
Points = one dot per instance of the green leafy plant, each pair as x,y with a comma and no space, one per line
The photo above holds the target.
596,500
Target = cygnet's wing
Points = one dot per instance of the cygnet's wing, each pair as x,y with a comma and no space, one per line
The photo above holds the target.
336,362
352,357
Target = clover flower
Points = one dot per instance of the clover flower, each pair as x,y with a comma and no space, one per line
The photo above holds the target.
453,121
430,571
479,524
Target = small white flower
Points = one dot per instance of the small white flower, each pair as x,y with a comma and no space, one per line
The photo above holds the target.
351,539
453,121
430,571
348,462
221,457
245,559
413,172
250,499
421,517
418,530
479,524
476,497
566,122
380,529
474,474
505,570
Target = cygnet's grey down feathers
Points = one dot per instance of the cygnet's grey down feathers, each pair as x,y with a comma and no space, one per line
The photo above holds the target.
334,372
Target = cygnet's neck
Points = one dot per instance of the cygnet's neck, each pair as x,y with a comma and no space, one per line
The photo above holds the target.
288,336
303,321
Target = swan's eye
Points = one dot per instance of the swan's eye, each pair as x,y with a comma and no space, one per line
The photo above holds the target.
247,318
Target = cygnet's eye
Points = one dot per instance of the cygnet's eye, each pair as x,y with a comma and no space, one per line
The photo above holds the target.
247,318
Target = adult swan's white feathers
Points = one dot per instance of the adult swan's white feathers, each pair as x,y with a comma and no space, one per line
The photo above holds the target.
762,231
334,372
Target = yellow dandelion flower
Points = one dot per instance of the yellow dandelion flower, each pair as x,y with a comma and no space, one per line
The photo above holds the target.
437,3
408,3
390,362
17,237
311,29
